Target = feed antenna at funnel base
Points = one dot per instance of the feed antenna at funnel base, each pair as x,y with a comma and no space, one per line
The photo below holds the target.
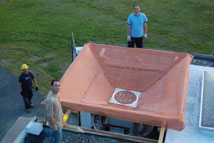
125,97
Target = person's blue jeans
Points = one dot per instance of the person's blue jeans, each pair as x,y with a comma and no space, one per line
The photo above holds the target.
56,136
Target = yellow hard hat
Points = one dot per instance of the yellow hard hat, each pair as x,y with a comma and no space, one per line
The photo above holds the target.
24,66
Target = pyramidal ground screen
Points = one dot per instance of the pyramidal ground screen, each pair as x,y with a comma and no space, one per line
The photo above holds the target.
161,77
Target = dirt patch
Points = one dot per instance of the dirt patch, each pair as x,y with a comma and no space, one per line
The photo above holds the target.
64,66
45,64
50,55
3,2
6,62
35,58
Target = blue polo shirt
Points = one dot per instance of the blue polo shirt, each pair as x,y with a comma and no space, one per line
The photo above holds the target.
136,22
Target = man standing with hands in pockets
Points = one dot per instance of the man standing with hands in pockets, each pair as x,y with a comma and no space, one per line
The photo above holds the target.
137,28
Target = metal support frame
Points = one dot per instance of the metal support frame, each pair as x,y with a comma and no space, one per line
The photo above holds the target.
108,134
113,134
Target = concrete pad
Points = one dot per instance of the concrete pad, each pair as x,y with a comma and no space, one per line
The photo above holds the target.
34,128
192,133
17,129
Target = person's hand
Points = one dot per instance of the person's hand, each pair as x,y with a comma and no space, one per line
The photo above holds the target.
43,102
144,36
37,88
129,38
55,127
22,93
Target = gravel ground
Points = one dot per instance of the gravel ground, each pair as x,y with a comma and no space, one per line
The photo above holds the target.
202,63
86,138
73,137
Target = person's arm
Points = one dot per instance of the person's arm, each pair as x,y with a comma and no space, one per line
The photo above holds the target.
50,114
145,28
145,31
51,119
128,29
43,102
20,87
35,83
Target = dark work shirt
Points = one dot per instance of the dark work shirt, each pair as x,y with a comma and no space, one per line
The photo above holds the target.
26,80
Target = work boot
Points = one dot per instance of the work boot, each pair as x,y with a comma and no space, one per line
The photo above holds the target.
31,105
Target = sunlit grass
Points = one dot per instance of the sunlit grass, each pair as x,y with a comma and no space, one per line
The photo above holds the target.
38,32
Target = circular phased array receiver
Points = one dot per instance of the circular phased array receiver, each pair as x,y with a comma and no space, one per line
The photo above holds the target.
125,97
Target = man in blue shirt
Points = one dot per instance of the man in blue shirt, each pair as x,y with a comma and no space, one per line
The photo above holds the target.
25,82
137,28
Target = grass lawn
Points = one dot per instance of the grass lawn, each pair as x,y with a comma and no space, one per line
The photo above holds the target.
38,32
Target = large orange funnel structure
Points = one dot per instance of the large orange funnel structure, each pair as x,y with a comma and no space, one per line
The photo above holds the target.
159,78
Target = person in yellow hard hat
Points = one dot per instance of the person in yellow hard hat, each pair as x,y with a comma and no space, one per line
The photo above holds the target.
25,82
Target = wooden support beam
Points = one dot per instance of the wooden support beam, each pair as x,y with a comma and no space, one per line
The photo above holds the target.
69,111
161,135
162,131
67,114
